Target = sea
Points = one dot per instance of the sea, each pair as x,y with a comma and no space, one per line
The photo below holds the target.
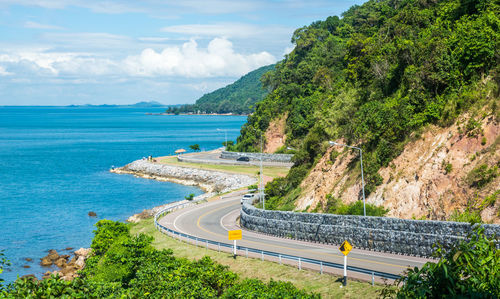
54,170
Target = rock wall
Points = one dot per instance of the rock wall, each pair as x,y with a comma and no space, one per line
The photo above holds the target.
409,237
283,158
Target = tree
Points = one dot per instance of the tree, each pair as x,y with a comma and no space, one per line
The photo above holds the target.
469,269
3,262
195,147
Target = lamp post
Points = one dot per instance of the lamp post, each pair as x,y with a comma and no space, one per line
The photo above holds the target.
362,177
262,195
225,134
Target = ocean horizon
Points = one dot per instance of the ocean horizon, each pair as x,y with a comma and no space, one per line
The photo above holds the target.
55,163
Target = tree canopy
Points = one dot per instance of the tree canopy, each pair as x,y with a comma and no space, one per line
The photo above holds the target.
375,76
237,98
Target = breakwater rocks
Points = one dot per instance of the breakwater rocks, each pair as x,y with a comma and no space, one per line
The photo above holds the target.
67,268
208,180
409,237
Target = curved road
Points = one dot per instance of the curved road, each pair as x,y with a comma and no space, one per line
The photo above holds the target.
212,220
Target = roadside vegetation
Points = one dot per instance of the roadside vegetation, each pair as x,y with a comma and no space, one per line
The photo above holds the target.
328,286
377,76
123,265
468,270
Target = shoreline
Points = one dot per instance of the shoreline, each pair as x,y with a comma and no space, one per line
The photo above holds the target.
212,182
208,114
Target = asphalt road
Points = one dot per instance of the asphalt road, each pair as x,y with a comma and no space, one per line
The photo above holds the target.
212,221
213,157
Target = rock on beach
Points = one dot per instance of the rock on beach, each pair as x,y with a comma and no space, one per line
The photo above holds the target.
209,180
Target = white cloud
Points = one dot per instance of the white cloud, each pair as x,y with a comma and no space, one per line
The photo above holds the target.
188,60
35,25
3,72
218,59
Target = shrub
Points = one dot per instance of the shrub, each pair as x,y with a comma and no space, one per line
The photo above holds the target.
469,269
189,197
481,175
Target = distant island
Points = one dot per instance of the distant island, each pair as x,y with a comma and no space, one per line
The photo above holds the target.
236,98
143,104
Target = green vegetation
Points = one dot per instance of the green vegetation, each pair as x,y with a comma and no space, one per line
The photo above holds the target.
481,175
468,270
195,147
328,286
238,97
126,266
384,70
189,197
472,213
336,206
3,262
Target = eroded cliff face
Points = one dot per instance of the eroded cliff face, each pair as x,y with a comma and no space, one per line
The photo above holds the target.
275,134
427,180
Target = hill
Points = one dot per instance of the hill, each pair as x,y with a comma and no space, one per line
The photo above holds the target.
237,98
389,77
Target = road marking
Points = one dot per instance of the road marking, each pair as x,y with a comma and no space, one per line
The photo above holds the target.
294,249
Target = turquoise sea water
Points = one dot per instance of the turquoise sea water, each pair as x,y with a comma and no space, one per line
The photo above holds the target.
54,164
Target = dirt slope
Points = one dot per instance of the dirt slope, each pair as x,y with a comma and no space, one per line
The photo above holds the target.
429,179
275,134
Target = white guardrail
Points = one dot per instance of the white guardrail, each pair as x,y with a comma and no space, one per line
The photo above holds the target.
269,255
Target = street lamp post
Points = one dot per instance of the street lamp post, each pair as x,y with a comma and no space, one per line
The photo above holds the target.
262,195
225,135
362,177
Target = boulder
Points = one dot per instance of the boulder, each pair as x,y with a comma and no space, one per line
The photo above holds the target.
92,214
50,258
80,262
28,259
61,262
83,252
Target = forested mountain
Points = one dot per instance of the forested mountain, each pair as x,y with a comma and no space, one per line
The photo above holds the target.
375,78
238,97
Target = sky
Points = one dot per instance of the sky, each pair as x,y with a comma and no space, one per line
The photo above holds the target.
64,52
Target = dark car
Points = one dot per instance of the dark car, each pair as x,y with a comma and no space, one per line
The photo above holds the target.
243,159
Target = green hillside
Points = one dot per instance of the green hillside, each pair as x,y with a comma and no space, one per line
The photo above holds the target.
238,97
377,76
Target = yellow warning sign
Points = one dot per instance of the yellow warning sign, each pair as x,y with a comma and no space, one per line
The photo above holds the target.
234,234
345,248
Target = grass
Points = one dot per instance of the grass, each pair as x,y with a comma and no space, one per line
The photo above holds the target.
326,285
270,171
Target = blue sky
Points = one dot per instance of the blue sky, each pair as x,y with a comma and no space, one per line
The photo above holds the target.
61,52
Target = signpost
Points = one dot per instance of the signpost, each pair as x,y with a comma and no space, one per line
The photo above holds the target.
234,235
345,248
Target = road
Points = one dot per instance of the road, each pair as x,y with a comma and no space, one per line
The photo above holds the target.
212,220
213,157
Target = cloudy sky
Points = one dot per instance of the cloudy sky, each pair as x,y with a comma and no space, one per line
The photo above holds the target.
60,52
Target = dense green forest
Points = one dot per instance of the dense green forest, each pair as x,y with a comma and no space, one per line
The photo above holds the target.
238,97
374,78
125,266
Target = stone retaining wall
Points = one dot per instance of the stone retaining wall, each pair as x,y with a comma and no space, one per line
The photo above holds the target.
409,237
283,158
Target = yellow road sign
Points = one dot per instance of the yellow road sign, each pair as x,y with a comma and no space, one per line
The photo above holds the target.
234,234
345,248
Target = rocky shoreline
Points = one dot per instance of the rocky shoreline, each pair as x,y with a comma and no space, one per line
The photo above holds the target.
210,181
